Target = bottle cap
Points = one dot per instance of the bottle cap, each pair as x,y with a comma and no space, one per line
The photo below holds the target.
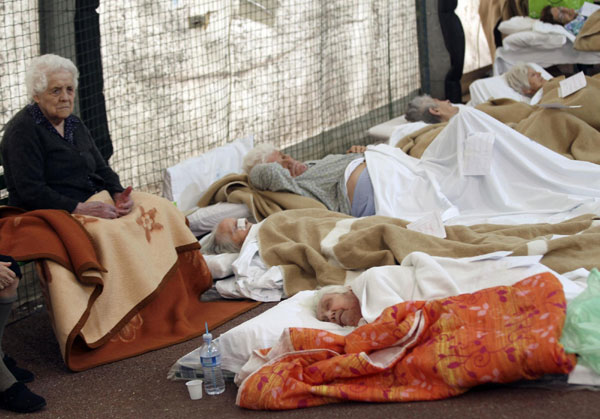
207,337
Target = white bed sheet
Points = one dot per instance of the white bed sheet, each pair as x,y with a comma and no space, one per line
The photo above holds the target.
526,182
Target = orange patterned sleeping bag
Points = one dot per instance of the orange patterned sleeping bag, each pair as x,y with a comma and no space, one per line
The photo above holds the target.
418,350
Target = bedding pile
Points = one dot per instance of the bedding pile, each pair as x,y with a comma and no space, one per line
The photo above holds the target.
114,288
418,350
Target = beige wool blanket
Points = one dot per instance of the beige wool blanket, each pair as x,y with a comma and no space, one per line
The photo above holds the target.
148,259
588,38
320,247
236,189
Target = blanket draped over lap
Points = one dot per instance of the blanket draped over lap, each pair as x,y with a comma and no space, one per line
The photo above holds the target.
588,38
560,131
319,247
114,288
236,189
418,350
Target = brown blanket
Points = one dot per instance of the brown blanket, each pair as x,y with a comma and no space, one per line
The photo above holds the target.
319,247
114,288
588,38
236,189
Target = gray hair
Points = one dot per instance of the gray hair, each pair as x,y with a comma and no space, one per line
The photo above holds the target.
518,78
327,289
36,76
215,244
418,110
257,155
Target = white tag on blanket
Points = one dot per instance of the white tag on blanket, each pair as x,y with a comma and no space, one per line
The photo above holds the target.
572,84
558,106
430,224
475,154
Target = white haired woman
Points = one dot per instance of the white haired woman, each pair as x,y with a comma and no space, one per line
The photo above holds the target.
50,159
524,79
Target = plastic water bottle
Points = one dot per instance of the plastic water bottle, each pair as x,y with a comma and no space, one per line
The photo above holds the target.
210,358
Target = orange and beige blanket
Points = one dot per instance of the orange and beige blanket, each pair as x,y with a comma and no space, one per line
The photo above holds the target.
115,288
419,350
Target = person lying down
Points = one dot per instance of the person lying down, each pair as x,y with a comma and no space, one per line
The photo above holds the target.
425,277
562,131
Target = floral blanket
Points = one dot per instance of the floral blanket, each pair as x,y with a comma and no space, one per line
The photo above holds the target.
417,350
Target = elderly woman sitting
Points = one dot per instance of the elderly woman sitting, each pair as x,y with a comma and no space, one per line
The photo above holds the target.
50,159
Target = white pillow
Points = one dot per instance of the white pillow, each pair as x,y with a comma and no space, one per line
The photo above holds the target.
544,27
535,40
185,182
264,330
496,87
203,220
382,132
516,24
220,265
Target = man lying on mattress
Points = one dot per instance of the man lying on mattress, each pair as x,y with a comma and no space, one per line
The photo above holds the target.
565,131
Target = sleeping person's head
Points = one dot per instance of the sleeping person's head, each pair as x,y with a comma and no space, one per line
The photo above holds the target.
337,304
557,15
227,237
267,153
427,109
524,79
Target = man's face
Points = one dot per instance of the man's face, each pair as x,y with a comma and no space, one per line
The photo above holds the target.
444,109
342,309
228,228
287,162
536,81
563,15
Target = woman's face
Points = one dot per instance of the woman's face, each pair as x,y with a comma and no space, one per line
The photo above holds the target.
287,162
237,234
536,81
57,101
342,309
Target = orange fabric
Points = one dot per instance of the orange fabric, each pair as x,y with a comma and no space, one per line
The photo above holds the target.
170,313
419,350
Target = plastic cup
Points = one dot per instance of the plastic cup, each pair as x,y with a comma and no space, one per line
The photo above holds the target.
195,389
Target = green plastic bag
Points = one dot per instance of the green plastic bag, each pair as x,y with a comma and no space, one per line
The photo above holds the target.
536,6
581,332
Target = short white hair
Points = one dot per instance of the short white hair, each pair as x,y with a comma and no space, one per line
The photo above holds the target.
418,110
518,78
36,76
215,243
257,155
327,289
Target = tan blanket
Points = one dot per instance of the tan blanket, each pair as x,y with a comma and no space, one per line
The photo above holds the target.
414,144
588,38
114,288
236,189
588,98
319,247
